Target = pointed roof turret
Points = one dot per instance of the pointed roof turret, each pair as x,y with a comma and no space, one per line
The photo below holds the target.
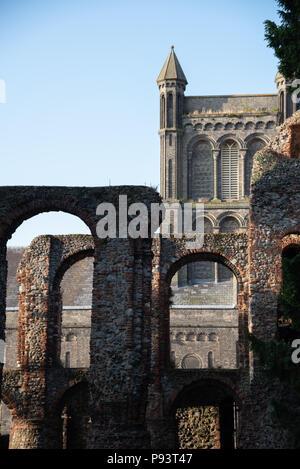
172,69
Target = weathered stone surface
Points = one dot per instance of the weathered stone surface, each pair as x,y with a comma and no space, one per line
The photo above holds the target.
133,389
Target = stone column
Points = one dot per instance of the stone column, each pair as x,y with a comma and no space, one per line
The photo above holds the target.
31,425
189,175
215,157
216,272
242,172
33,433
120,345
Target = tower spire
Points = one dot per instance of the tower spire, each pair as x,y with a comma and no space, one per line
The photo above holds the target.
172,69
171,83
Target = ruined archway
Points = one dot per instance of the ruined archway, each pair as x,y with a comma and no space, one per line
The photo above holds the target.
72,409
203,316
205,416
223,265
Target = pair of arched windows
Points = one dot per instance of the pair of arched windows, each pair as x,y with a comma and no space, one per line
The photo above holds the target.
168,105
203,169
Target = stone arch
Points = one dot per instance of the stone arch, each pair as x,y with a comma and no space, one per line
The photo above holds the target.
202,255
74,350
202,337
213,337
211,218
59,252
249,125
191,360
188,127
232,214
229,224
291,240
73,413
260,125
256,135
229,126
239,125
190,336
196,138
231,136
270,125
208,225
171,267
207,392
198,127
193,383
255,142
201,163
208,127
84,247
71,337
68,204
218,126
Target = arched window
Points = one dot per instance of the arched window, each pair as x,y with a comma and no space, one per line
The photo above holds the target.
179,110
68,360
210,359
190,362
202,172
205,308
281,107
229,225
170,110
212,337
190,337
170,180
254,146
162,112
230,170
201,337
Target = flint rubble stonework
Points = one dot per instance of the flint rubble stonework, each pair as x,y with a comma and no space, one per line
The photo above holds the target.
133,390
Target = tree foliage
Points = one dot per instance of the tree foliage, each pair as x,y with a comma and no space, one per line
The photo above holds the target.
285,38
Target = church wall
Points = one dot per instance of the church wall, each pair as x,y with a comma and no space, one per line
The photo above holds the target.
233,103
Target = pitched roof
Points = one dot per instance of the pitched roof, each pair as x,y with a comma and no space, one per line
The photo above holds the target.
172,69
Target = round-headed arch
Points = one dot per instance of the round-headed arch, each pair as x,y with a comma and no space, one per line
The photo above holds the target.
193,142
195,392
71,259
257,136
290,243
35,207
231,214
201,255
230,136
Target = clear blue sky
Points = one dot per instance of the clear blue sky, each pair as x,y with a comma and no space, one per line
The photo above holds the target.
82,100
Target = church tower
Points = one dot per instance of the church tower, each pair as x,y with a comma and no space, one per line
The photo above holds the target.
286,106
171,83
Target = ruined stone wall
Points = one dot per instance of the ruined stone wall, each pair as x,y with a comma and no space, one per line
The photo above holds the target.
133,390
274,215
169,256
119,347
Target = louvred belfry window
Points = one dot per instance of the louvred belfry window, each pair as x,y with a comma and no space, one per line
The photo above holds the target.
230,170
